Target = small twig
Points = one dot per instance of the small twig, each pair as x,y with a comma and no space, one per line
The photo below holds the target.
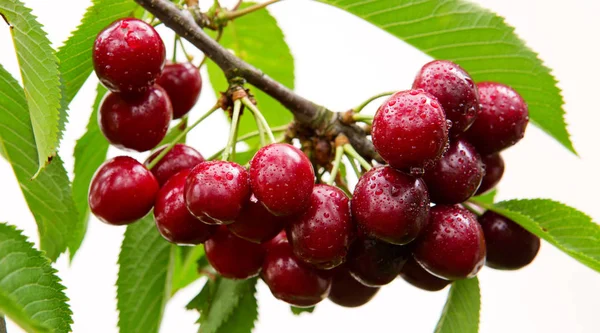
232,15
371,99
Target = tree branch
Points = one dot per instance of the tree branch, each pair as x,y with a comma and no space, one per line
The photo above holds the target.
305,112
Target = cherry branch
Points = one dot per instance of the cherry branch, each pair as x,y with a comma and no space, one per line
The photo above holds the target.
306,113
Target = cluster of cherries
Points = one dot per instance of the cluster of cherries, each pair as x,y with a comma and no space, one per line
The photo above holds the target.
311,241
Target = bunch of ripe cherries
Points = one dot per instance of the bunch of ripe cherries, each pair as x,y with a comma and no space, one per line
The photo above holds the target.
308,241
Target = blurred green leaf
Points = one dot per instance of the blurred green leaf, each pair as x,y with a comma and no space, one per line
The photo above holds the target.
186,266
298,311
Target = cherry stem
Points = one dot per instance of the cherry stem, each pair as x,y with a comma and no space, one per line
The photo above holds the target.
229,152
174,58
180,136
354,166
348,149
187,55
371,99
248,136
248,103
232,15
261,130
367,119
339,152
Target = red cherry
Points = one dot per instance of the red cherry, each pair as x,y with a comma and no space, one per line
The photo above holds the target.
122,191
347,292
183,83
180,157
375,263
494,169
414,274
233,257
256,224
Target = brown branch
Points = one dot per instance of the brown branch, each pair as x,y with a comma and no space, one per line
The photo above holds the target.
306,113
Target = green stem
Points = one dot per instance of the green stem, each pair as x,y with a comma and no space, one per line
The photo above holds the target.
174,58
248,103
246,137
261,130
365,118
181,135
229,152
371,99
339,152
354,166
187,55
232,15
353,153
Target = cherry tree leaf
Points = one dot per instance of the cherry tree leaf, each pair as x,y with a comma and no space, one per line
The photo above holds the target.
461,312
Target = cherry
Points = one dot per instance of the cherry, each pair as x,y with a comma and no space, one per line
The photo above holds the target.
173,220
217,189
452,245
138,123
390,205
122,191
322,235
502,120
281,237
291,280
454,89
347,292
183,83
180,157
456,176
414,274
233,257
375,263
410,130
256,224
282,178
509,246
494,169
128,56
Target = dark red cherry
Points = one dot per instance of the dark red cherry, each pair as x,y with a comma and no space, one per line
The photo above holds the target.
282,178
416,275
281,237
217,189
375,263
183,83
452,245
128,56
494,169
122,191
502,120
322,234
390,205
454,89
410,130
256,224
180,157
173,220
233,257
456,176
347,292
138,123
291,280
509,246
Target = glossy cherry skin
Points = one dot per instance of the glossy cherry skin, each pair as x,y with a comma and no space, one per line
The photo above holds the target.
183,83
122,191
509,246
128,56
321,236
347,292
217,189
282,178
410,130
173,220
454,89
456,176
138,123
291,280
494,169
180,157
452,246
256,224
390,205
233,257
375,263
416,275
501,121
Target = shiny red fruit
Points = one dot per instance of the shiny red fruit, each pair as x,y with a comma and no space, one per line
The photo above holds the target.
375,263
452,246
321,236
128,56
218,190
173,220
233,257
282,178
183,83
390,205
122,191
179,158
138,123
494,169
256,224
416,275
410,130
347,292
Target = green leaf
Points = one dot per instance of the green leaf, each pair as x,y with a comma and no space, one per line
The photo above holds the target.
298,311
144,282
174,132
245,156
39,71
570,230
461,312
478,40
48,195
488,197
257,39
31,294
186,266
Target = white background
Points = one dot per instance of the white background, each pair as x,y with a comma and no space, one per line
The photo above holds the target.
341,60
